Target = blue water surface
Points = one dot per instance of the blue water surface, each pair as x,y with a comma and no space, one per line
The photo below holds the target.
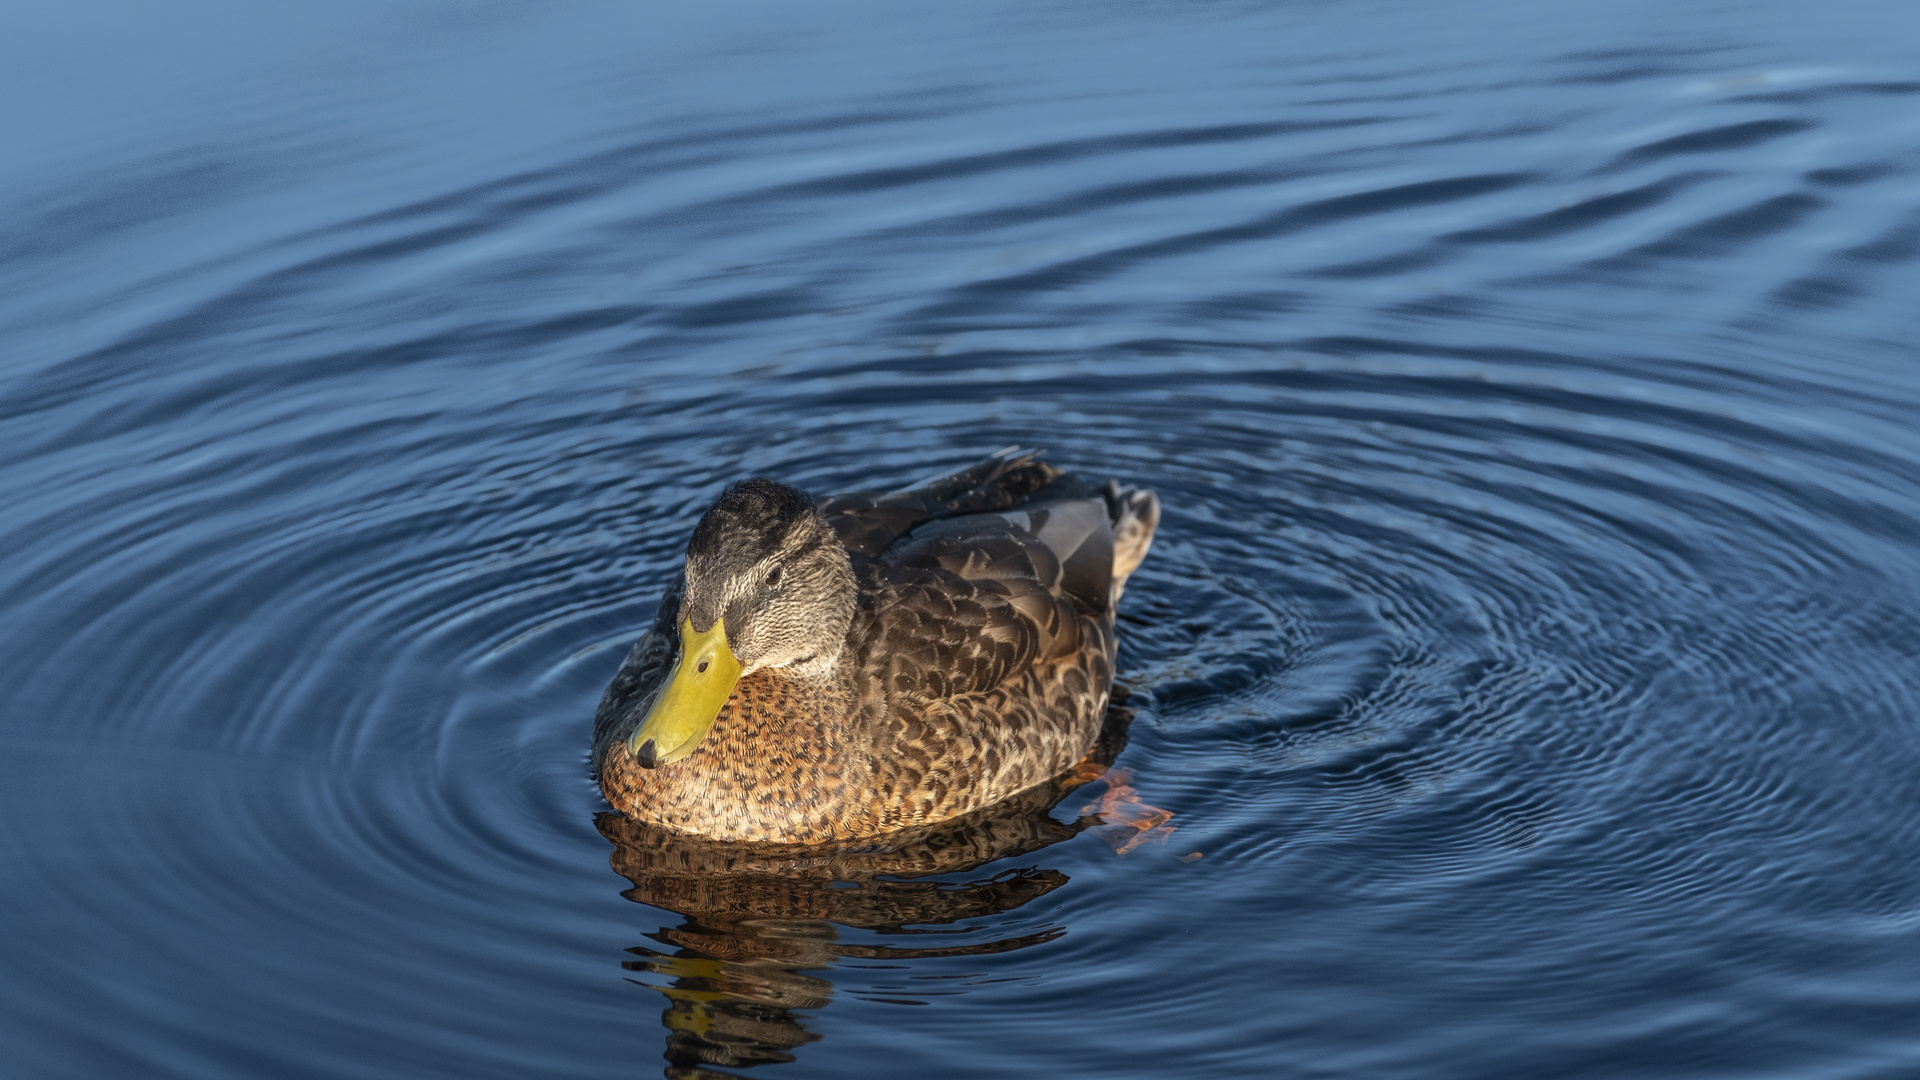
1530,653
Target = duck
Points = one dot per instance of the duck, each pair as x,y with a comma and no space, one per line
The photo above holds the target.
835,669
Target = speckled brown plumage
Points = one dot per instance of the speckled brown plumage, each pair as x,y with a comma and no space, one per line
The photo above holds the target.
976,665
868,882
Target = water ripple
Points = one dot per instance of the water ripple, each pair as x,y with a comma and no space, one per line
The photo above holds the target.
1526,660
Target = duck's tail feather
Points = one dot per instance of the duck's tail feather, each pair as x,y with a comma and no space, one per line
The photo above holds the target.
1135,513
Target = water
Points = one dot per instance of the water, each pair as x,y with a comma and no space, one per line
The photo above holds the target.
1529,651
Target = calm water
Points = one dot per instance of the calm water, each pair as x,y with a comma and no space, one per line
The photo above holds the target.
1531,651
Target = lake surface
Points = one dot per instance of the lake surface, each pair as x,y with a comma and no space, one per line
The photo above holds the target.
1531,651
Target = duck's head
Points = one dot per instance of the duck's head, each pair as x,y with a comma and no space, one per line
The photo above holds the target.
768,586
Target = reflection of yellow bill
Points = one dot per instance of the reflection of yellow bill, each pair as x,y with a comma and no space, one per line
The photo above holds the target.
690,702
689,1011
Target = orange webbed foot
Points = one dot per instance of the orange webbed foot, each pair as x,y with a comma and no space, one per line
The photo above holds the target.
1128,822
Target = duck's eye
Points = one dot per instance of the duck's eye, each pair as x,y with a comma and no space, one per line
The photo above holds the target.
773,576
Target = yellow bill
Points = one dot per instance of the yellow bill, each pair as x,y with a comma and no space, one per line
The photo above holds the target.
690,701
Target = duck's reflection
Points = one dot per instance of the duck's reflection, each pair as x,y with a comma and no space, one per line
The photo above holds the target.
758,919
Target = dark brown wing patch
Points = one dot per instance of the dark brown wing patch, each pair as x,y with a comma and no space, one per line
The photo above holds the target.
868,522
934,635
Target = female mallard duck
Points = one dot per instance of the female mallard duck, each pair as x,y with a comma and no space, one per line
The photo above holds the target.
841,668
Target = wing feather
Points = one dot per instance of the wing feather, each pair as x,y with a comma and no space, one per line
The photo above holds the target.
868,522
970,603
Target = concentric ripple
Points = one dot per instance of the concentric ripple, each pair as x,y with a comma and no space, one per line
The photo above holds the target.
1528,658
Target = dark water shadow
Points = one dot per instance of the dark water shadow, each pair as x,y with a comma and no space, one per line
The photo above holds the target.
760,919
